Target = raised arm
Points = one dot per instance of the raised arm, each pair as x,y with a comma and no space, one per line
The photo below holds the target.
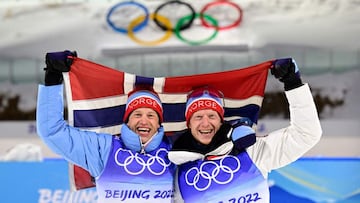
286,145
83,148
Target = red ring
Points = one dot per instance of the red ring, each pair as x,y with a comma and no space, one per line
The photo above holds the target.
215,3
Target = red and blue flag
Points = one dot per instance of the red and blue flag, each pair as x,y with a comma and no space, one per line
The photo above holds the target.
96,97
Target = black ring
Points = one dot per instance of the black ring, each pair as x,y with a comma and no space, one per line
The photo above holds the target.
184,26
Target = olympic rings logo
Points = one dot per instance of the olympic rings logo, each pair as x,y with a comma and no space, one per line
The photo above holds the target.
135,164
221,173
173,16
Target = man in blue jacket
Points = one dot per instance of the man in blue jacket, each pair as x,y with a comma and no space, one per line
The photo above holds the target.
130,167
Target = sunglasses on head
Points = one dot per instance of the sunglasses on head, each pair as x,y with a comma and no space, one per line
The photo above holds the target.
205,90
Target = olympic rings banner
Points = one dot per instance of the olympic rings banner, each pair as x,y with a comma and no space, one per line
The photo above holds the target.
96,97
174,18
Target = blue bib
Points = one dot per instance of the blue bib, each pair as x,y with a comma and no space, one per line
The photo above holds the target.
133,177
228,179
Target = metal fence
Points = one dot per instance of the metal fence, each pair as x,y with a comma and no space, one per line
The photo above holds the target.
310,61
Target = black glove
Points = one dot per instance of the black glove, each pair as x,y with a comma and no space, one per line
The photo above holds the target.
243,136
56,63
287,72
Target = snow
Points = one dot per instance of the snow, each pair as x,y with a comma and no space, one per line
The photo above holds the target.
23,152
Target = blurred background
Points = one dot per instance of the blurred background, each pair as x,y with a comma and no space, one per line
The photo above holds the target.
321,35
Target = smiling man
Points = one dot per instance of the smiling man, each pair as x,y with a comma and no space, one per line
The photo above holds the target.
143,115
204,113
132,166
223,161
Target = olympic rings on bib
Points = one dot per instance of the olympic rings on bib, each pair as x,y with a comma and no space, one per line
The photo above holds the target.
135,164
221,173
173,16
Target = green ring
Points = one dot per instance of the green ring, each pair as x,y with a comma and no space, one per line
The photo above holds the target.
184,20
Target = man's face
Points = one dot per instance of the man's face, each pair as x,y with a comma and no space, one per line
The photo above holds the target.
204,124
144,122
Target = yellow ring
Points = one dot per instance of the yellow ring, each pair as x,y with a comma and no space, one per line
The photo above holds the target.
141,19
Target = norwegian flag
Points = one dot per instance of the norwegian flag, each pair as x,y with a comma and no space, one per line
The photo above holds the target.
96,98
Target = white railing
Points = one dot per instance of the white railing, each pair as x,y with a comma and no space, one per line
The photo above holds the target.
311,61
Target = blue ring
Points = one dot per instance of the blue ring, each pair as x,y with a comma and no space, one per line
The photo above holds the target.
137,28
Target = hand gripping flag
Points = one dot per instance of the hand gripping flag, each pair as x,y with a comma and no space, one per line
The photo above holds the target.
96,98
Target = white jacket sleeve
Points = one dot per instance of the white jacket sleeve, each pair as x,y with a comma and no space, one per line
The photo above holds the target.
286,145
